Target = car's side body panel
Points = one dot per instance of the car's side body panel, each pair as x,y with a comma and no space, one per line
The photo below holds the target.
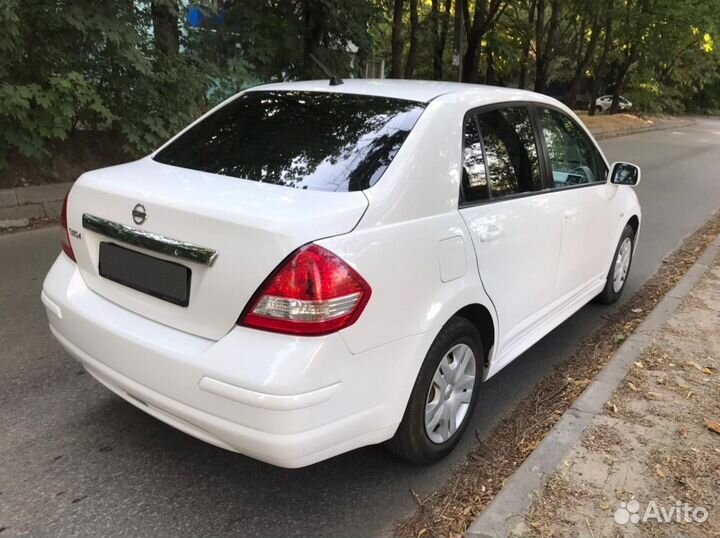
517,245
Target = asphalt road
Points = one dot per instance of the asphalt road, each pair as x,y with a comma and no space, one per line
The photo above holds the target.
77,460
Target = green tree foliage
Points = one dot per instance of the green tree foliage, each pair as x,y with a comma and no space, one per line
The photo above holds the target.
136,69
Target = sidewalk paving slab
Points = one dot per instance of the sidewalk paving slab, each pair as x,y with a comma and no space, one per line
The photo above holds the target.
42,193
8,198
29,211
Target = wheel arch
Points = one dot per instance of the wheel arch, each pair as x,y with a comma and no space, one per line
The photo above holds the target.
634,223
480,316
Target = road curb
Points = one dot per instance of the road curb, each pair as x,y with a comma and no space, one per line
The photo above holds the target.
508,507
604,135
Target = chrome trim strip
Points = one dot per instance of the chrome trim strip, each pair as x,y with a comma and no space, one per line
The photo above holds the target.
149,240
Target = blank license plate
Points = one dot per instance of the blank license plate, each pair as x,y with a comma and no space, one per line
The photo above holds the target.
165,280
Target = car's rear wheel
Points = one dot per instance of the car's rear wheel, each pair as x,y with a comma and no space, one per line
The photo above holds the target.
620,268
598,109
443,397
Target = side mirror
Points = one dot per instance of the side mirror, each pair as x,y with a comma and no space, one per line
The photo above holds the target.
624,174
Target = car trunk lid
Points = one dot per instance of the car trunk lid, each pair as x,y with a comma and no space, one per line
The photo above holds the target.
251,227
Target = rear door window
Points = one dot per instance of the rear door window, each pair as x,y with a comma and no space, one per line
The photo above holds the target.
509,151
305,140
474,180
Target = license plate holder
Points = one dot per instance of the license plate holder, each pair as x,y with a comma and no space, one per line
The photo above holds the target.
153,276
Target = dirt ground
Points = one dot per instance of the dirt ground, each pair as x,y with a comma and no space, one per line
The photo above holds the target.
657,441
616,123
67,159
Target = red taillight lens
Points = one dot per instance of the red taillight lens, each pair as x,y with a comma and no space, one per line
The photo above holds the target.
312,293
66,246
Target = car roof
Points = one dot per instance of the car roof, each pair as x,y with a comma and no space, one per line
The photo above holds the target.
414,90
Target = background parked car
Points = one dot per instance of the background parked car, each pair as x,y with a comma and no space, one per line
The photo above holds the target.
602,104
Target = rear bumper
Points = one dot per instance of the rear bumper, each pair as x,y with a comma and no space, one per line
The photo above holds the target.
285,400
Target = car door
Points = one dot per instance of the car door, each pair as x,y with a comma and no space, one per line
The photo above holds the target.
514,226
578,180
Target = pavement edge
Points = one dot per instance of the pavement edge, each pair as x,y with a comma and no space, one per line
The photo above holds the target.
509,506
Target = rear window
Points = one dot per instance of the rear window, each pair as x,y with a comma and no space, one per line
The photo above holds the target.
306,140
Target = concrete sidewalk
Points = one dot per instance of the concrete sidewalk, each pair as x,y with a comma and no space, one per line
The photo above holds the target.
648,462
19,206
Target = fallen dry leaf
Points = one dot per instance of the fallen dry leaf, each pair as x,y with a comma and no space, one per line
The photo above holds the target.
632,386
659,471
639,364
713,425
707,370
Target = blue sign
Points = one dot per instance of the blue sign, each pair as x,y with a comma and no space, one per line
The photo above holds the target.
196,17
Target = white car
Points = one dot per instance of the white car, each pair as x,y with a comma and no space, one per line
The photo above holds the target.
603,104
308,269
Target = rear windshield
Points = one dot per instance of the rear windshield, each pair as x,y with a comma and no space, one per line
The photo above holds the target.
306,140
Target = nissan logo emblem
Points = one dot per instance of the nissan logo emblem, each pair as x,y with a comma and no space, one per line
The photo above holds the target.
138,214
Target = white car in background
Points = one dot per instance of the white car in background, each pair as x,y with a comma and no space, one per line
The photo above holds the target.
308,269
603,104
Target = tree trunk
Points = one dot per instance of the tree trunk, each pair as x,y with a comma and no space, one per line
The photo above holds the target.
545,42
414,29
471,58
457,35
539,46
602,64
439,34
166,31
312,32
522,79
486,13
620,81
396,40
435,33
583,59
631,55
490,75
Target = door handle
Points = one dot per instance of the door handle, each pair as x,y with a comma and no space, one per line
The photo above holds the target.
570,213
490,233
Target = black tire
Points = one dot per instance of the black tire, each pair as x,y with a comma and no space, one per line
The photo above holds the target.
598,109
411,441
608,294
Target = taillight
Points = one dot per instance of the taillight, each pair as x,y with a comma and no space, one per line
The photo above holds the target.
66,246
313,292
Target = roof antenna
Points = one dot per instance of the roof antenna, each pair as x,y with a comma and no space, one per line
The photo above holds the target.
334,79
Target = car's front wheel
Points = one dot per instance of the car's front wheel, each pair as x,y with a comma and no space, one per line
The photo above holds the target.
443,397
620,268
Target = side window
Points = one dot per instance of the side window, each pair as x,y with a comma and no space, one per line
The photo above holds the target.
510,151
573,157
474,181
